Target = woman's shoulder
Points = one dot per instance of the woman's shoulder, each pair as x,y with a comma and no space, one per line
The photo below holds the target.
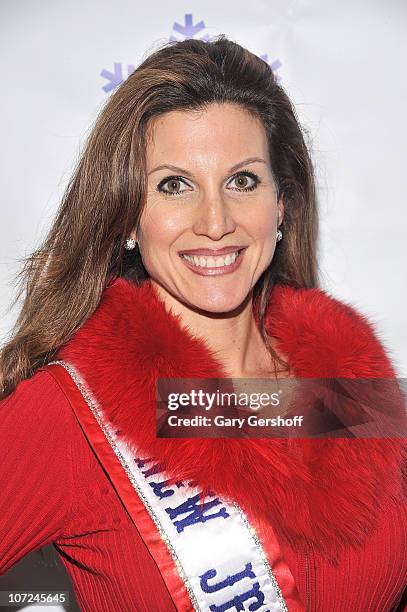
330,332
320,305
40,431
36,398
37,419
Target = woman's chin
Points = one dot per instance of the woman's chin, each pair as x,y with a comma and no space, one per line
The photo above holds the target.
214,300
217,304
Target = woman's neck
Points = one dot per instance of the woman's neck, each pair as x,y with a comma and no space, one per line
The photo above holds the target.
234,337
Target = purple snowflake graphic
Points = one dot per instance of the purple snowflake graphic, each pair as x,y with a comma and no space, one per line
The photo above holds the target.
188,30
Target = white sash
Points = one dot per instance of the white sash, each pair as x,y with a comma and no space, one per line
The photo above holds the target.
215,550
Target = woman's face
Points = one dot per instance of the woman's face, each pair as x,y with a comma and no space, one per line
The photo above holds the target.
210,189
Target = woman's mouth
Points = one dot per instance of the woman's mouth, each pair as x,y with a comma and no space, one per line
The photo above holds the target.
209,265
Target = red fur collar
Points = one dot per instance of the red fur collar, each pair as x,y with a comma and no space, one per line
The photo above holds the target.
330,493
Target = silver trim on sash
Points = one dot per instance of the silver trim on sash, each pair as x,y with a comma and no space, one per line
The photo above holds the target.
273,601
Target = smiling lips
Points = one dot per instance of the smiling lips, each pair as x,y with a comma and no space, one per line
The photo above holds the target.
210,262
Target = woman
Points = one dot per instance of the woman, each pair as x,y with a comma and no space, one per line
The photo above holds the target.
185,248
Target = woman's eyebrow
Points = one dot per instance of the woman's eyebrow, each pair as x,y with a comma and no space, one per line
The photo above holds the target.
244,162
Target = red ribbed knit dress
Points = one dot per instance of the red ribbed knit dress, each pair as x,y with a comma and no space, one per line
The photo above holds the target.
53,489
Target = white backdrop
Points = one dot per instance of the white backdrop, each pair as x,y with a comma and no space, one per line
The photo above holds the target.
342,63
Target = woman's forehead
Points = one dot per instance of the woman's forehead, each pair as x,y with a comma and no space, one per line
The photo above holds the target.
220,132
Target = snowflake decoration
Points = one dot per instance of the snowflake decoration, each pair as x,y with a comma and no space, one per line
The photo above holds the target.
188,30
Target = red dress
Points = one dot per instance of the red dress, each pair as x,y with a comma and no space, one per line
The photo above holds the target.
55,490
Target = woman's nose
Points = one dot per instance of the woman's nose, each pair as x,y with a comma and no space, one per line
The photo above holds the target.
214,219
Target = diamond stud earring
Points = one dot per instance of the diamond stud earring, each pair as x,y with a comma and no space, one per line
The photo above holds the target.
279,235
130,244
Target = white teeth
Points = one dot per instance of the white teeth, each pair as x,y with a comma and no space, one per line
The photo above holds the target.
211,262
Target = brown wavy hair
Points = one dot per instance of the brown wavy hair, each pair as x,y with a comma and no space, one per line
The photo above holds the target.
62,281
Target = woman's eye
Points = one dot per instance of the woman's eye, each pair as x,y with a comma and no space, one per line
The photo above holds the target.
172,185
245,181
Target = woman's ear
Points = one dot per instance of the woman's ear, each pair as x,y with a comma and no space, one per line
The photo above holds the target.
280,205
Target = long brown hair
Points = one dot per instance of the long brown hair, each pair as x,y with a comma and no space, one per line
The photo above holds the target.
63,280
